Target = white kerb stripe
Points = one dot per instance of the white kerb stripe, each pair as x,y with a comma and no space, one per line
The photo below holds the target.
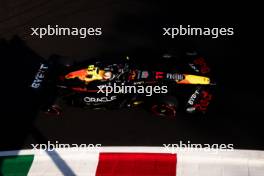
232,163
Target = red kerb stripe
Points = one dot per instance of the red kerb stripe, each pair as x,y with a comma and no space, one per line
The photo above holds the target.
136,164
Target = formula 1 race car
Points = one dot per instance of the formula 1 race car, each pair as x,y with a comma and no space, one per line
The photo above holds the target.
165,86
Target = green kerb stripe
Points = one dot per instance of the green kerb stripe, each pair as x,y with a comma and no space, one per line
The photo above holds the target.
15,165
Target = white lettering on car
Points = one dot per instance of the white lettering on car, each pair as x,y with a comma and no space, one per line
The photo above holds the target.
39,77
97,99
193,97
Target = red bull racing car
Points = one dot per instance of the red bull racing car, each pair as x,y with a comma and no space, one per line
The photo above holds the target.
164,86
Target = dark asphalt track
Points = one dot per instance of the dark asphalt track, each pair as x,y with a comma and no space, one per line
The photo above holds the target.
132,28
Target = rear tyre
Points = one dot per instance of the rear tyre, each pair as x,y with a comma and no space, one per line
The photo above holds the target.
165,107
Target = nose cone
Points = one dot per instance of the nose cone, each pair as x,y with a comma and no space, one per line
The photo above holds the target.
79,74
206,80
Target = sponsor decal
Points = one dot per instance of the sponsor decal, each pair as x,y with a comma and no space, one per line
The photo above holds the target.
193,97
39,77
175,76
159,75
144,74
98,99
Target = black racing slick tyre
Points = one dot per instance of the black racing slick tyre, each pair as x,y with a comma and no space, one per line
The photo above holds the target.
165,107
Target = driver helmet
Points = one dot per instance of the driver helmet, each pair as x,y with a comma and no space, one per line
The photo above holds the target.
107,75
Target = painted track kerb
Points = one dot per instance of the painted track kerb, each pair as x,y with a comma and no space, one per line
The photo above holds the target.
189,163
